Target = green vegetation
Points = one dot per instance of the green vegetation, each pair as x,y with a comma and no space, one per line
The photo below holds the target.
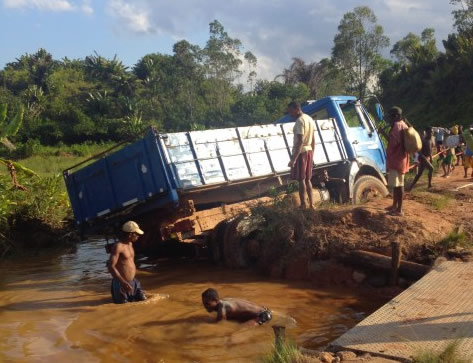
287,352
432,86
448,355
453,240
43,205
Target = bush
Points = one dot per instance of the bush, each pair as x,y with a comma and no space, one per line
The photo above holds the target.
29,148
45,204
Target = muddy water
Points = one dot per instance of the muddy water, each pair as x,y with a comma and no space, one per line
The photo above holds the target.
57,308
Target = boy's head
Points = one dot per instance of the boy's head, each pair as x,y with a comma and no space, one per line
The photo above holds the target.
210,299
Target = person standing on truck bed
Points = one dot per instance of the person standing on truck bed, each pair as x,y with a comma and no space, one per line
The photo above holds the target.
397,159
125,288
301,162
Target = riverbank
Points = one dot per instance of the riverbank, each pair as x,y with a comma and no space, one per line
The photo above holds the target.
318,245
37,216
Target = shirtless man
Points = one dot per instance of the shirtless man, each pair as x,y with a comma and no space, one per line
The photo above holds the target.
125,288
234,309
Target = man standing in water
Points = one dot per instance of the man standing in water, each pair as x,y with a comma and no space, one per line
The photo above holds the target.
125,288
301,163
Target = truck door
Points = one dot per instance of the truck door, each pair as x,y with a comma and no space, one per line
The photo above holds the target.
362,134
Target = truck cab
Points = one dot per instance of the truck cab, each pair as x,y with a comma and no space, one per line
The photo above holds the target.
364,147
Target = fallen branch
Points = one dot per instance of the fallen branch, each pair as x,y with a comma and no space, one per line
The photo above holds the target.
381,262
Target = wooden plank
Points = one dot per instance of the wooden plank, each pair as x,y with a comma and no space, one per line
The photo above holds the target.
432,313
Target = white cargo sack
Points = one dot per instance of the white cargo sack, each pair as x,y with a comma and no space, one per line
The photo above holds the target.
452,141
412,140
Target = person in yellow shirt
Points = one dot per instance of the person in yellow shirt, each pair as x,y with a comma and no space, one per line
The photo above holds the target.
301,162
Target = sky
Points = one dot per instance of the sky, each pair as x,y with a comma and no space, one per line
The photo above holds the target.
274,30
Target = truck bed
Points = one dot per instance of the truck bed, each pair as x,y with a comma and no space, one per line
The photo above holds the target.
159,170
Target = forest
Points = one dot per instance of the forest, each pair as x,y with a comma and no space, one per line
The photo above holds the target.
96,99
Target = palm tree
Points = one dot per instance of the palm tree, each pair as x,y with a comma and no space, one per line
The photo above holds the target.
310,74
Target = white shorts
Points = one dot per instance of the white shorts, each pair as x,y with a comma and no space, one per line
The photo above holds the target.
395,179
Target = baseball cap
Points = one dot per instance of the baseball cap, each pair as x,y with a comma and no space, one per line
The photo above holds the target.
131,227
395,110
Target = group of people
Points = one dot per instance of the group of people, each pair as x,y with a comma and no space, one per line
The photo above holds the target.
449,154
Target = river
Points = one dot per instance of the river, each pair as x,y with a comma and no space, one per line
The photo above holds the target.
57,308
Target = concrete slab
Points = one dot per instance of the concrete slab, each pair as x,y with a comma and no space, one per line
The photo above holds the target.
432,313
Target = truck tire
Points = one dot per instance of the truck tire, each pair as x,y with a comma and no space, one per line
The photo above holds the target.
215,242
235,248
367,188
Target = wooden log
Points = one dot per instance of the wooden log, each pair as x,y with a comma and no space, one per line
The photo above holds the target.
377,261
279,335
395,263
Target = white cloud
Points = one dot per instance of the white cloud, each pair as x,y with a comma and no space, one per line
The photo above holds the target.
49,5
133,17
86,7
276,31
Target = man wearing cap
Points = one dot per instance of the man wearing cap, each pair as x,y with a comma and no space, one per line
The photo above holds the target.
397,159
125,288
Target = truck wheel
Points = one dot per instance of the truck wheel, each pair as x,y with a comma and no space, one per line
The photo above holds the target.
367,188
215,242
235,248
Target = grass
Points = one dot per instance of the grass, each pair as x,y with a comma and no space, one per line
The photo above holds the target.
454,239
52,160
448,355
441,202
287,352
438,201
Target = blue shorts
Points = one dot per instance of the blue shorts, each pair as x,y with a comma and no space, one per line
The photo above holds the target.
120,296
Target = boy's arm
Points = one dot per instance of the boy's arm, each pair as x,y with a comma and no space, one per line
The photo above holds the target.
221,312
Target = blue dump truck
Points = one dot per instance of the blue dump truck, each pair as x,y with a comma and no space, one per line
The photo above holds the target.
184,187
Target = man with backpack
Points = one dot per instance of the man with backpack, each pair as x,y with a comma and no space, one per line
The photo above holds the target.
397,159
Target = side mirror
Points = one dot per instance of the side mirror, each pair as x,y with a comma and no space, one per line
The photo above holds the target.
379,112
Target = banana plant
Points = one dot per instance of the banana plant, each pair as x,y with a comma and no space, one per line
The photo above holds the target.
13,167
11,128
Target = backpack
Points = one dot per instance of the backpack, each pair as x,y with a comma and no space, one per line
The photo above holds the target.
412,140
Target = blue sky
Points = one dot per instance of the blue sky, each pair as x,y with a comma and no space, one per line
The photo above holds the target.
274,30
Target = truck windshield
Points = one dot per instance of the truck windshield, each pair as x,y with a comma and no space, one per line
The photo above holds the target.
354,116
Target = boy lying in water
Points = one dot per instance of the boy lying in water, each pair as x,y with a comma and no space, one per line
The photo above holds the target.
234,309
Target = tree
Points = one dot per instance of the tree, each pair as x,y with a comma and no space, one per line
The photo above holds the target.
251,60
415,50
320,77
463,16
357,49
221,59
